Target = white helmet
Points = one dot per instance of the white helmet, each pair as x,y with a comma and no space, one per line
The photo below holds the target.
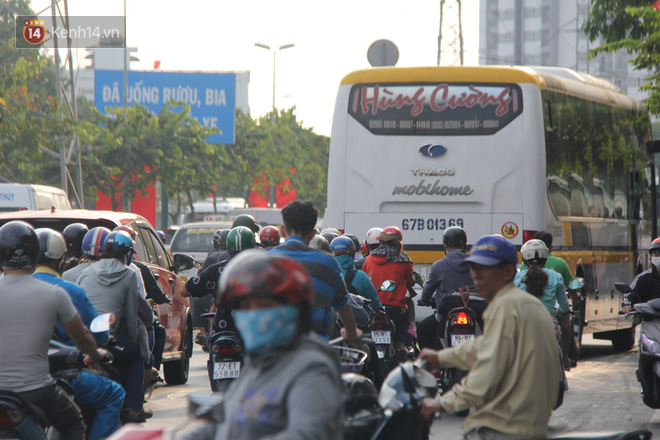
373,236
51,244
534,250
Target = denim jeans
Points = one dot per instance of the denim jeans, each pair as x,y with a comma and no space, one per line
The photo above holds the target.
105,397
61,411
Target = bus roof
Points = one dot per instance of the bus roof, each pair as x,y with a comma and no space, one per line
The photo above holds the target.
552,78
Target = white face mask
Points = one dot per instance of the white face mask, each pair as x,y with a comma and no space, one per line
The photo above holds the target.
655,261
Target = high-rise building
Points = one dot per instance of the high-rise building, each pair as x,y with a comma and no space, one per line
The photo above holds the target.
549,33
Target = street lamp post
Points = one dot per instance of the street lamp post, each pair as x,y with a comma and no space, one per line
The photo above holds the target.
267,47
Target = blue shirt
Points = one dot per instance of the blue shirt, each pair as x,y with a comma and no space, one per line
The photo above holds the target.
79,298
329,288
554,292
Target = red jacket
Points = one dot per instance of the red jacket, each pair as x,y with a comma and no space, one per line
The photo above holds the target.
379,269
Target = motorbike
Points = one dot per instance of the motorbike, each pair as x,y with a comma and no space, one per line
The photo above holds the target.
648,367
226,352
461,324
18,418
382,330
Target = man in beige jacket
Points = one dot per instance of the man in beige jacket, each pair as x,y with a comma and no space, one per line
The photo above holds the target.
514,367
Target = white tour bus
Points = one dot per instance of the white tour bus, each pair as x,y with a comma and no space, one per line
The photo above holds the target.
22,197
499,150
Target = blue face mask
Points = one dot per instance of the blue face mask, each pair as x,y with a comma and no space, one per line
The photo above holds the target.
263,330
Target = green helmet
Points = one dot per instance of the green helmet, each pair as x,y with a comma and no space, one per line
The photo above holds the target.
239,239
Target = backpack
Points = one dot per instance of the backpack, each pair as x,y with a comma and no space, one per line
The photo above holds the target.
350,274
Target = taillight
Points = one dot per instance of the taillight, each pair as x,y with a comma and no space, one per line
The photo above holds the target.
461,318
226,348
380,320
10,416
528,235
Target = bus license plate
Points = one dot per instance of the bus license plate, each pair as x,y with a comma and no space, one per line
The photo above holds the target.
381,337
226,370
459,339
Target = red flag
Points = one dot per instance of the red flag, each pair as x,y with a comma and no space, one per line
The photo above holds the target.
157,62
656,5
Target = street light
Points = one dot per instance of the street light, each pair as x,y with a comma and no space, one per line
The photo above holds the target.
267,47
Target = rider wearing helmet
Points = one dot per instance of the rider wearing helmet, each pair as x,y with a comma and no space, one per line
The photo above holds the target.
92,248
290,387
239,239
359,259
646,286
389,262
112,287
91,390
373,239
220,246
446,275
270,237
25,342
73,237
357,281
545,284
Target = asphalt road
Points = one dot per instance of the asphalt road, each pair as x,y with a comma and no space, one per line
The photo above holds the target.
603,395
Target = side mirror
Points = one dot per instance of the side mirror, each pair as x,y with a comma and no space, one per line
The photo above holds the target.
622,287
182,262
576,284
101,323
387,286
205,407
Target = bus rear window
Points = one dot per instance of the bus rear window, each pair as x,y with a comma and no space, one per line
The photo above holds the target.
435,109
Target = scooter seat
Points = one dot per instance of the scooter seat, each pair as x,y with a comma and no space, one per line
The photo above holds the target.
642,434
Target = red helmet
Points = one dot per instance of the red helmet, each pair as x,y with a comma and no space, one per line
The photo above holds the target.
391,233
270,236
265,274
655,244
365,248
130,231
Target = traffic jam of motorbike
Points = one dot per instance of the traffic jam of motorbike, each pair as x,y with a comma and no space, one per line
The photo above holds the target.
386,378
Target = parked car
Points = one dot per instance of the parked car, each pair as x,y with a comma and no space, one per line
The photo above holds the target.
149,249
196,240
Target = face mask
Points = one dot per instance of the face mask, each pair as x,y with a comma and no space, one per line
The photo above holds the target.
655,261
263,330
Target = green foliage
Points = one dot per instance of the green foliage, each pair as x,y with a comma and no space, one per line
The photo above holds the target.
633,26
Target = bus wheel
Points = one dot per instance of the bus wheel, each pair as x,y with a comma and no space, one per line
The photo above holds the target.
623,340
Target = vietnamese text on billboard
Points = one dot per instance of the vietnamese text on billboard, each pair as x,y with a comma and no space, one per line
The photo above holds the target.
211,96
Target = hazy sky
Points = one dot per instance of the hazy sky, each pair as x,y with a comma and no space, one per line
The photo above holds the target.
331,39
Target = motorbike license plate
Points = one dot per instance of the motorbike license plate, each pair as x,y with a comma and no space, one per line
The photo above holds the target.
226,370
459,339
381,337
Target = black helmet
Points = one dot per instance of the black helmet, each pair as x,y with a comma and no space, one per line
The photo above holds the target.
454,237
248,221
329,236
220,239
359,393
73,236
19,245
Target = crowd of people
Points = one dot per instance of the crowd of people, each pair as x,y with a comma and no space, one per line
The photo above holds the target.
283,289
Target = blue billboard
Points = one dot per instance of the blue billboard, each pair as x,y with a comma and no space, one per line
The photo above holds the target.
211,96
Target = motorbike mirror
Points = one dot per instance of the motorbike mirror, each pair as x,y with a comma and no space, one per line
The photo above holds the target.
101,323
183,262
576,284
388,286
622,287
205,407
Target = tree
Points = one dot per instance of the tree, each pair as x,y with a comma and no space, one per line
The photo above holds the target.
633,26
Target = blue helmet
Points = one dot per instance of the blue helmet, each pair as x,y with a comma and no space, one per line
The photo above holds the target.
342,245
118,241
93,243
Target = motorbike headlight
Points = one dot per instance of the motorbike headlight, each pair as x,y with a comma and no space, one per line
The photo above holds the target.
650,345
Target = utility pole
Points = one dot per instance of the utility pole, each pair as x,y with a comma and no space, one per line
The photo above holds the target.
450,31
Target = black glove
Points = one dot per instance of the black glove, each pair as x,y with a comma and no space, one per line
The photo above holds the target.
424,303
